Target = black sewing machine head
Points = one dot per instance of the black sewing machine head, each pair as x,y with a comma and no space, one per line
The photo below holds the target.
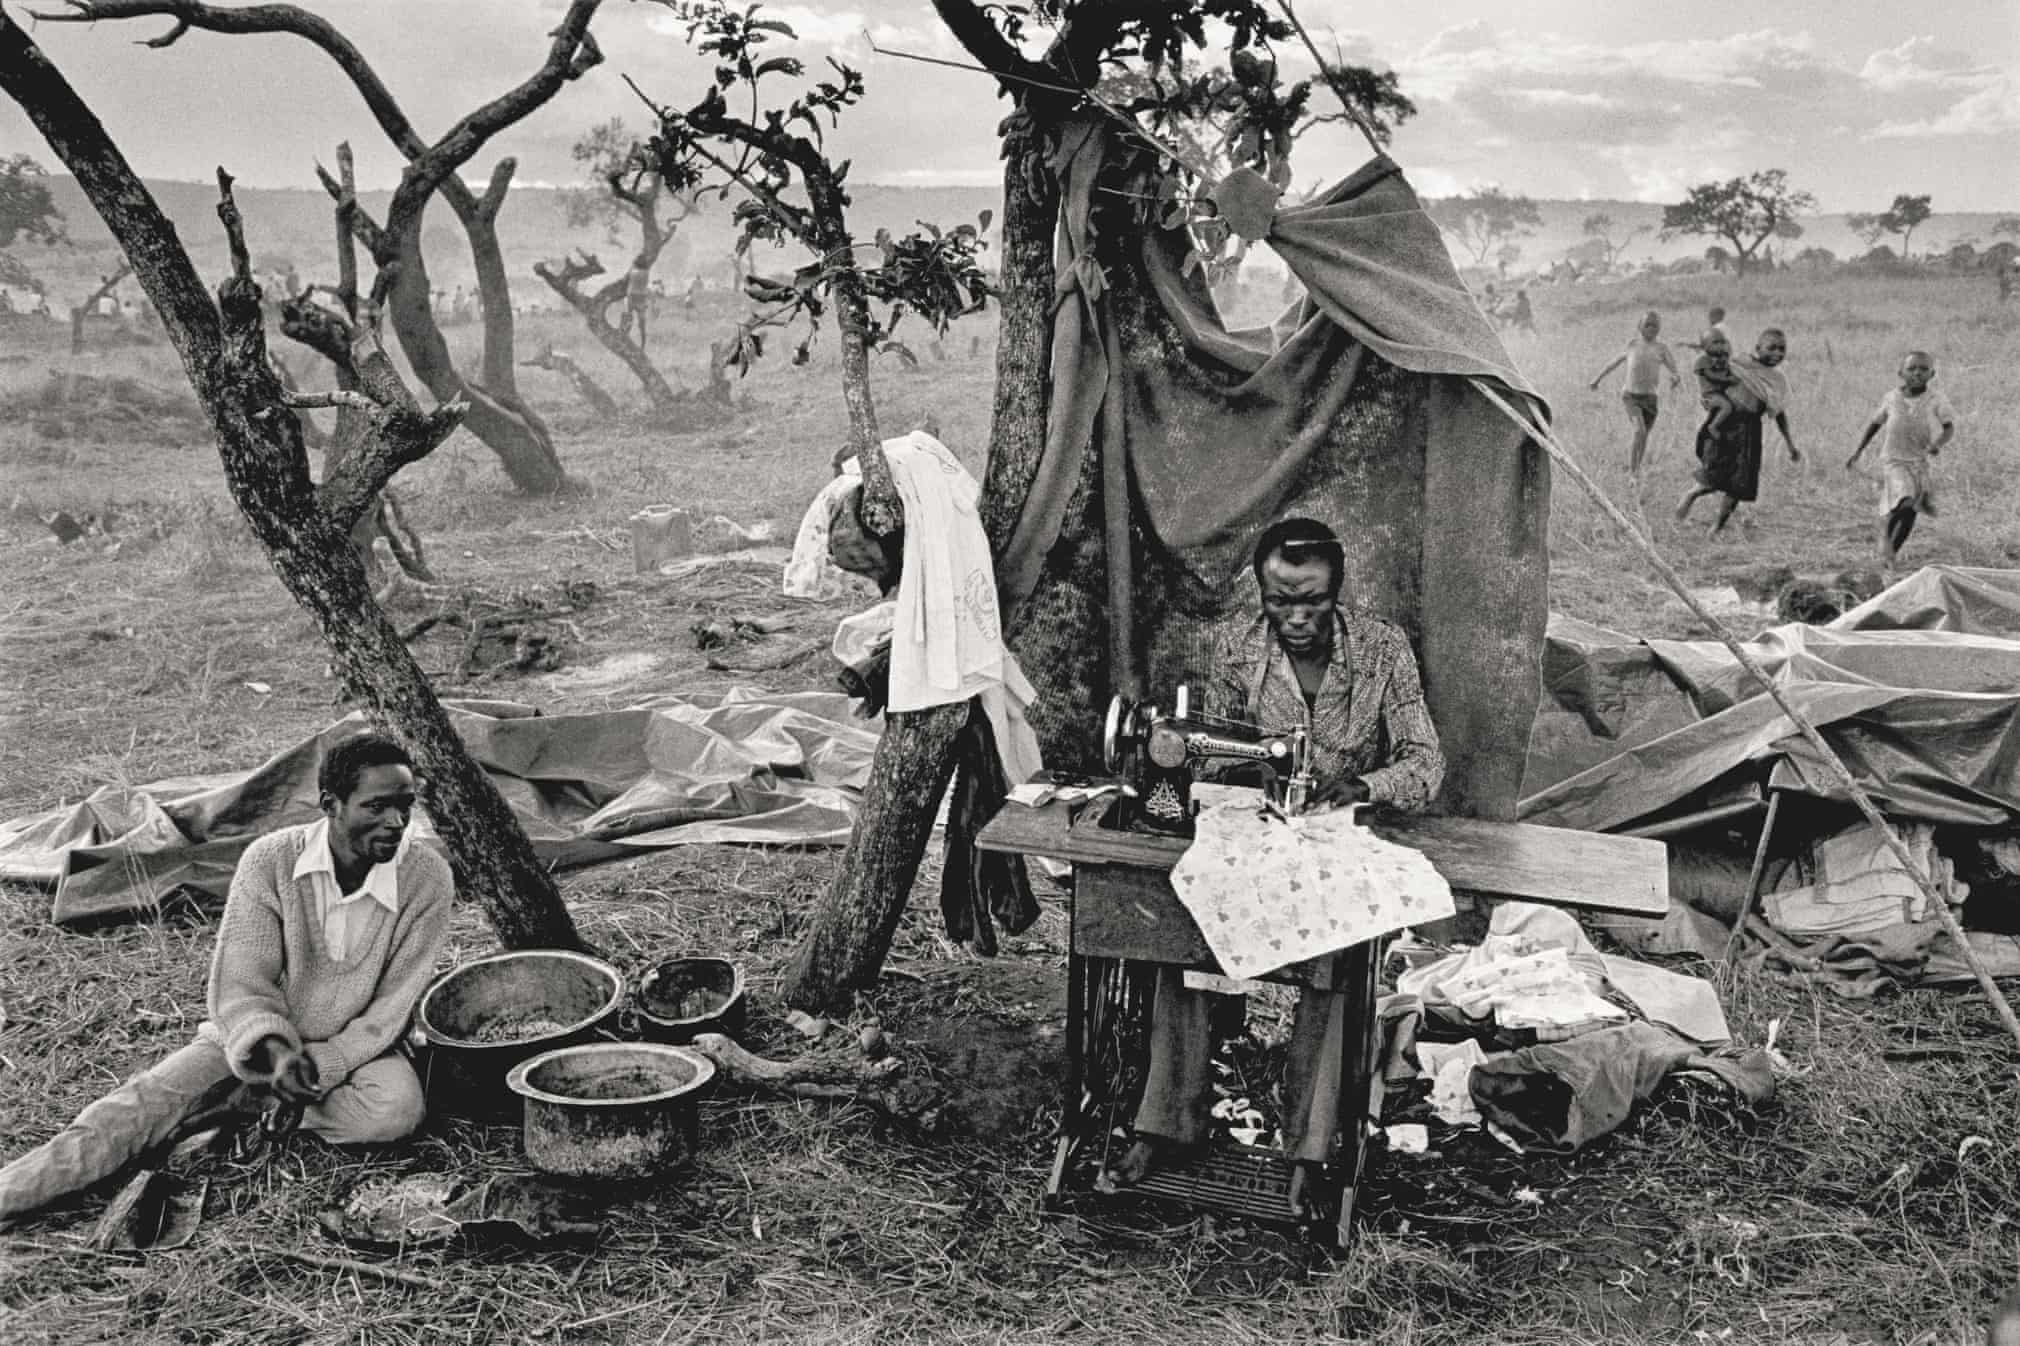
1158,755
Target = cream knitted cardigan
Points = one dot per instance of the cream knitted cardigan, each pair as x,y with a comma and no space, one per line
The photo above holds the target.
272,973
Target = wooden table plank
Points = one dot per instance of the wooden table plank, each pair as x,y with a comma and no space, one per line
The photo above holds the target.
1555,866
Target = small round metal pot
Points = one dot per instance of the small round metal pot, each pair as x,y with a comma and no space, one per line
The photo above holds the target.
684,996
491,1013
613,1110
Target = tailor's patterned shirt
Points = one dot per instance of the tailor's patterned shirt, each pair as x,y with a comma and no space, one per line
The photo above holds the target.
1368,718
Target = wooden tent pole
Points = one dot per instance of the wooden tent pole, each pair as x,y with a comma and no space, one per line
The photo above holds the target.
1753,878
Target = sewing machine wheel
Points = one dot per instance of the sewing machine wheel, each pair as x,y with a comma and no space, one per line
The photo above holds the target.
1121,730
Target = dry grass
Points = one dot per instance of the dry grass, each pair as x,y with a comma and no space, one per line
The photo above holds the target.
1853,1211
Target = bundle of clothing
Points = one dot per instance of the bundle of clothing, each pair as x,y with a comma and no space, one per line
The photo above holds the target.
937,640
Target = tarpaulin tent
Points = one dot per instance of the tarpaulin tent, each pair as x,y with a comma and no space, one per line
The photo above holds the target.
1927,719
742,766
1173,439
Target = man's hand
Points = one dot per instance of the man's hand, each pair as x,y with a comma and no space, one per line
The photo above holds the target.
284,1068
1341,790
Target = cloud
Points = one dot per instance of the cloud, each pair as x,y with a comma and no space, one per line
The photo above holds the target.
1990,111
846,32
1919,62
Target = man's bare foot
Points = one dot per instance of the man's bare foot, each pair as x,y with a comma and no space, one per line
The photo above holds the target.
1143,1157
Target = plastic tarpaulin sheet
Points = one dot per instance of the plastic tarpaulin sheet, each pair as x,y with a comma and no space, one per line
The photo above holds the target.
1943,598
742,766
1928,719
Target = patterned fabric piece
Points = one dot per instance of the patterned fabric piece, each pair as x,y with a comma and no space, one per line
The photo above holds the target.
1267,891
1368,719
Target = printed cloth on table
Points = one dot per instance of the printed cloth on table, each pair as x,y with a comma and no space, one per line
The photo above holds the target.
1267,890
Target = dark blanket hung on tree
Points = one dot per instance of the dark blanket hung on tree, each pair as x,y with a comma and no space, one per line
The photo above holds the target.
1173,439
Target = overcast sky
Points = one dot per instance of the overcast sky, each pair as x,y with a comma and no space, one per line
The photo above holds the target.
1858,99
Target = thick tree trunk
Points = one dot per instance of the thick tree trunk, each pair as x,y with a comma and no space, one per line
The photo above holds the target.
522,443
850,933
496,367
304,530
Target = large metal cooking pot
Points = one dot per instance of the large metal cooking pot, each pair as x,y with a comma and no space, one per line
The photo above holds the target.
612,1110
488,1015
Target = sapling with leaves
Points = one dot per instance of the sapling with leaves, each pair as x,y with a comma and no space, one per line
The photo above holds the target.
1216,119
794,192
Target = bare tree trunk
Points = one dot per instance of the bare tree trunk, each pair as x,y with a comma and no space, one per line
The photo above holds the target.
850,934
83,310
524,447
303,528
565,280
588,389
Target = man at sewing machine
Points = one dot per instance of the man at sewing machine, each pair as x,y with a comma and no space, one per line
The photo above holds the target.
1351,682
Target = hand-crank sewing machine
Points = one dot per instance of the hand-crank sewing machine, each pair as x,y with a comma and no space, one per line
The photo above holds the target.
1127,921
1158,756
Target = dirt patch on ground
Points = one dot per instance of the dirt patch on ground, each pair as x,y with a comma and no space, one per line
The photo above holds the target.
992,1035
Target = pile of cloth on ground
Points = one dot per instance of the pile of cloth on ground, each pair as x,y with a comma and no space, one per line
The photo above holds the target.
1577,1038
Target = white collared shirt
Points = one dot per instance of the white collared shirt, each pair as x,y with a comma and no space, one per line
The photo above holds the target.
343,914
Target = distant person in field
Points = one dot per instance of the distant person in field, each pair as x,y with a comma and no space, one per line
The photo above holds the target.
1729,458
1646,356
1713,371
328,938
1913,424
637,299
1714,321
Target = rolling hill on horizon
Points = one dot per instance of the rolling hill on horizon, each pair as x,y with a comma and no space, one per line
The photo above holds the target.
293,225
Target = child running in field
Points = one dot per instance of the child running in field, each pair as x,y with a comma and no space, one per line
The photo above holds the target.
1713,369
1917,422
1646,357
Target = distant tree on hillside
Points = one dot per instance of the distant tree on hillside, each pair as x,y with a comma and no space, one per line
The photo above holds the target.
1599,228
1745,212
1901,218
2008,225
1484,219
26,211
26,208
1816,259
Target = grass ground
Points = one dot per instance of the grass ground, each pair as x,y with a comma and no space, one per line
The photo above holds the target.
1859,1208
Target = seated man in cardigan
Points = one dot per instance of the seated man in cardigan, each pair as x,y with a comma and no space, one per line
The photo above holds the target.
1350,681
328,939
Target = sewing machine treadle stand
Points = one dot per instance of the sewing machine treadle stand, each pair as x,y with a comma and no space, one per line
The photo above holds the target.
1127,920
